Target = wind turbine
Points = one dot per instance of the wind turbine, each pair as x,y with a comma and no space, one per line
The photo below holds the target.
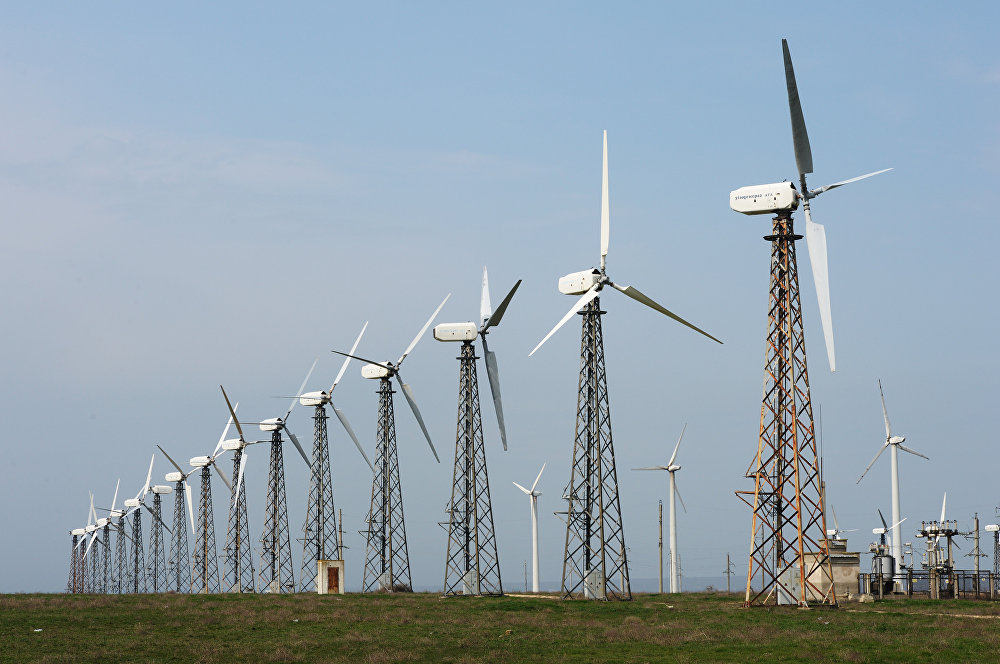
138,563
786,465
157,572
894,443
320,537
205,568
836,531
594,560
276,569
387,561
671,467
472,563
179,562
878,567
238,573
533,499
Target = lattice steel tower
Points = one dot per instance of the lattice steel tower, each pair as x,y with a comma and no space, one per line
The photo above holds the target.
179,562
137,564
205,572
120,575
239,571
158,563
320,534
472,565
276,572
595,563
76,571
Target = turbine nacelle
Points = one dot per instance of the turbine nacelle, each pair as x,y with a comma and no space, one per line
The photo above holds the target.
102,522
162,490
132,502
879,531
993,528
174,477
376,371
579,283
116,513
90,529
320,398
200,461
673,468
456,332
765,198
232,445
896,440
271,424
77,532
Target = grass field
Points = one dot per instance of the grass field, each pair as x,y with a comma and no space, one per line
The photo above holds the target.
427,628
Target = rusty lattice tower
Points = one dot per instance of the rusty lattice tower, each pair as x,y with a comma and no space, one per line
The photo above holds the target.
788,561
239,572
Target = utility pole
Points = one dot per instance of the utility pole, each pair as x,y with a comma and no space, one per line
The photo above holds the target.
340,540
729,573
661,547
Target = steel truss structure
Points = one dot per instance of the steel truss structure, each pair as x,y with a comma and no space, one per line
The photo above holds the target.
789,561
75,582
595,562
387,562
137,573
320,540
472,566
122,573
238,568
179,563
158,564
276,574
205,573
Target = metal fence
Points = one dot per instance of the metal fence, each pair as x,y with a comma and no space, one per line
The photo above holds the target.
958,584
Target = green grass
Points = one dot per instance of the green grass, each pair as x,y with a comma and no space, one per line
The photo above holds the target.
427,628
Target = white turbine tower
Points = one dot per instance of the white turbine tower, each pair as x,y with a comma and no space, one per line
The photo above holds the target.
671,467
533,499
893,442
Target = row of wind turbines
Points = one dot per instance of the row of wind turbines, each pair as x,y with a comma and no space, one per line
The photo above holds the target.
594,558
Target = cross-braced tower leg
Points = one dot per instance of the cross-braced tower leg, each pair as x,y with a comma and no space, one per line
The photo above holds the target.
276,554
138,563
179,565
205,576
158,564
94,560
788,558
74,584
320,540
122,579
387,561
239,573
595,562
472,566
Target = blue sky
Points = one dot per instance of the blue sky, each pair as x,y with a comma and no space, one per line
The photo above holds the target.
194,195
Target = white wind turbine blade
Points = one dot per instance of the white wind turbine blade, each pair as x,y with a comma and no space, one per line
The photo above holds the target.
187,494
295,399
149,476
222,475
678,493
907,449
408,393
485,306
93,538
497,315
605,206
538,478
350,432
229,422
651,468
816,242
816,192
636,295
92,515
347,360
944,502
885,413
881,449
521,488
493,374
677,446
295,441
239,480
422,330
115,499
584,300
174,463
800,138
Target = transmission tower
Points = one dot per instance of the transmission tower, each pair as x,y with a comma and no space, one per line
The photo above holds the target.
205,577
594,561
179,563
276,554
387,562
471,564
239,572
788,552
320,538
